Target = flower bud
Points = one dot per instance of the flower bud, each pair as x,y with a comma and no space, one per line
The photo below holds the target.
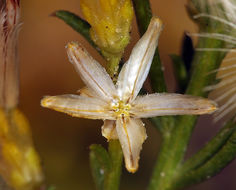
110,25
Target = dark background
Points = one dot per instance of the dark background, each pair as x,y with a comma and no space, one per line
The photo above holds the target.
62,141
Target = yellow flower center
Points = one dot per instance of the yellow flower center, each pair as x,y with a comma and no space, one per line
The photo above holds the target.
120,108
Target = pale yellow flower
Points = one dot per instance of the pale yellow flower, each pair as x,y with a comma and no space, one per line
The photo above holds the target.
118,105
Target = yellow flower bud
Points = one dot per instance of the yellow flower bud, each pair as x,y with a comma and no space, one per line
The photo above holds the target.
19,162
110,22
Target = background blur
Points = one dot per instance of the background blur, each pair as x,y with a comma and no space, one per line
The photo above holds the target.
62,141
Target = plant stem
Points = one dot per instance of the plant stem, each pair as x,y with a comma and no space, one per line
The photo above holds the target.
171,154
175,144
112,181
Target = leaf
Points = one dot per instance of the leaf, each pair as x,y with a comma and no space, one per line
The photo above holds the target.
210,149
180,72
106,166
210,160
100,164
77,23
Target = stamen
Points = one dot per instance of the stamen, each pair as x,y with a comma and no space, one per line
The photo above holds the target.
120,108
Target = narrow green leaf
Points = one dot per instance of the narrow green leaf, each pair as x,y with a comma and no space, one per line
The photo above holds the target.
100,164
77,23
180,72
106,166
210,149
210,168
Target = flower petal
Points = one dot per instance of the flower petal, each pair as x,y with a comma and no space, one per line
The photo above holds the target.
171,104
109,130
91,72
135,70
78,106
86,92
132,134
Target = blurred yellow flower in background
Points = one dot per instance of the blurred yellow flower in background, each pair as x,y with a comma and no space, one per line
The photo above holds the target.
19,162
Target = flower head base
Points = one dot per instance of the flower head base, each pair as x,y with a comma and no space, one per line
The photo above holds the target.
19,163
118,105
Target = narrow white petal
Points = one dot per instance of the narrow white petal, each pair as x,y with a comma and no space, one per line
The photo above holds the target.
135,70
91,72
109,130
132,134
87,92
171,104
78,106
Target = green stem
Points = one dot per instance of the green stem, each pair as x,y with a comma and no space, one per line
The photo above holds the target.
112,181
112,65
175,145
171,154
180,71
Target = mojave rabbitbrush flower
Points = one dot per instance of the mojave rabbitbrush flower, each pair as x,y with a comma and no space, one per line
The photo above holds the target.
118,105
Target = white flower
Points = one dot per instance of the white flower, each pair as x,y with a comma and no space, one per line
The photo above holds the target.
118,105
